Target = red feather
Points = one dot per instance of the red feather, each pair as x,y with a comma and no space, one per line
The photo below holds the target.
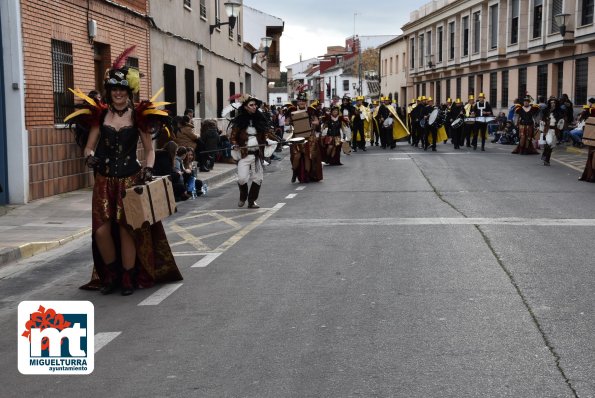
235,96
121,60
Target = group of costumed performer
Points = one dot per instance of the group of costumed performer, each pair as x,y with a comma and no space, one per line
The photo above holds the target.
361,124
109,133
306,154
251,132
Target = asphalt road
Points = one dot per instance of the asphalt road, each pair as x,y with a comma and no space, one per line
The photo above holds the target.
403,274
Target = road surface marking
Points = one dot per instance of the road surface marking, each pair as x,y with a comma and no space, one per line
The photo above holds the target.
243,232
512,221
206,260
102,339
291,196
161,294
300,188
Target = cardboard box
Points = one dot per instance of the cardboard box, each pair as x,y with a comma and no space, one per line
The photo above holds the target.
589,132
301,124
145,205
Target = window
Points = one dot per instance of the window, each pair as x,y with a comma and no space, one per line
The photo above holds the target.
62,79
203,9
560,72
188,3
448,88
412,53
451,34
458,87
494,26
465,36
542,80
345,85
537,18
169,88
391,66
504,99
439,43
438,93
581,79
493,87
471,84
219,98
396,64
556,9
514,22
522,83
217,16
421,50
429,45
587,12
476,32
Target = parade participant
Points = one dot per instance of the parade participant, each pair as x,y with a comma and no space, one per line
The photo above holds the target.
526,127
589,171
409,124
382,116
360,122
446,109
469,127
457,112
331,139
375,133
551,115
431,130
481,108
249,132
306,158
109,134
416,121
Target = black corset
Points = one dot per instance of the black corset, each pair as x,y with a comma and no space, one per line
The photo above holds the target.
117,151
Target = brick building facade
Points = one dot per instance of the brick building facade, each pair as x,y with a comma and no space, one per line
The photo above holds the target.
59,53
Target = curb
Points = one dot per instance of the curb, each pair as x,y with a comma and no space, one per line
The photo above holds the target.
31,249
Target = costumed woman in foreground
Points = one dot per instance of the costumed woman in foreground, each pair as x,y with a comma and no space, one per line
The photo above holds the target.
109,134
249,132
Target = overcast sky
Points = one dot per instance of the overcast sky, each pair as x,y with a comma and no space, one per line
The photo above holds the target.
312,25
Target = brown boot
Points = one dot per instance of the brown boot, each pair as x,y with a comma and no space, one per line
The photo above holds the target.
110,278
253,195
243,194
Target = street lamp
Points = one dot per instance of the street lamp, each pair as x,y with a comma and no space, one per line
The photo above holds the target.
265,44
232,9
561,22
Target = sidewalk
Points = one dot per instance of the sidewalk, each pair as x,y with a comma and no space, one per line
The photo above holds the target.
41,225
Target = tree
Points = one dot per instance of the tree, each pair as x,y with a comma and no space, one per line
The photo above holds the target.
369,61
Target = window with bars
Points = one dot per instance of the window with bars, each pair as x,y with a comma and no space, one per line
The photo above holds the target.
556,9
494,26
439,38
188,3
203,9
537,18
493,87
560,76
587,12
62,79
451,44
522,82
581,79
504,97
476,31
514,22
465,24
542,80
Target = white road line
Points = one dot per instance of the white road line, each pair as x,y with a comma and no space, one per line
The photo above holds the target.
400,158
102,339
512,221
300,188
206,260
161,294
291,196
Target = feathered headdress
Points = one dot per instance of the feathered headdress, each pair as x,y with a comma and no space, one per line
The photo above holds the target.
88,115
121,75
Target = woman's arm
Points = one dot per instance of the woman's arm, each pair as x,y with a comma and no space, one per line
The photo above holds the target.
91,142
148,147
